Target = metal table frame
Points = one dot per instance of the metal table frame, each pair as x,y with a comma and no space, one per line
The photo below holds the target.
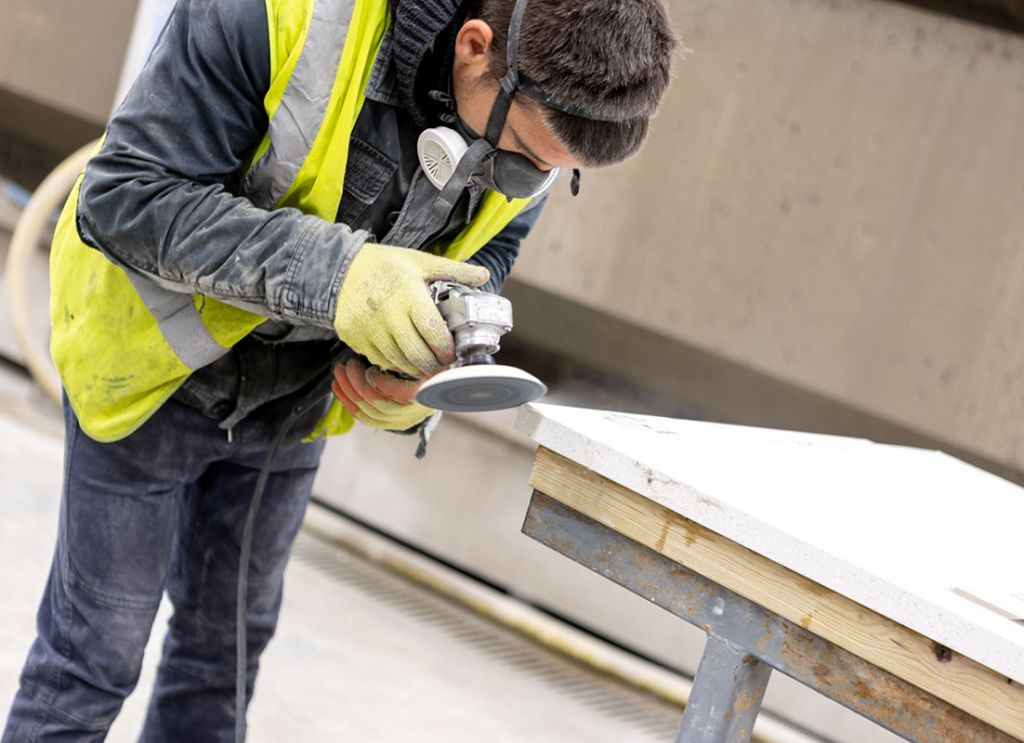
746,641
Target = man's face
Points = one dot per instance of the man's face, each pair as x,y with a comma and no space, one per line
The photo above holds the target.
475,90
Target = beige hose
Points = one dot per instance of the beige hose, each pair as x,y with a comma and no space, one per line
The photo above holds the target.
29,232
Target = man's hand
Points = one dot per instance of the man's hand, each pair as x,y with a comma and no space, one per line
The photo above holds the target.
385,311
376,398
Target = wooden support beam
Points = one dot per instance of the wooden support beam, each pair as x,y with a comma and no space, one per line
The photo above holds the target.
955,679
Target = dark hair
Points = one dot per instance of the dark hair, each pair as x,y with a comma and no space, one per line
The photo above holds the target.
609,57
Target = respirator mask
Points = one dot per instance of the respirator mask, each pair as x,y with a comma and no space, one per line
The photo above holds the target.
442,149
452,158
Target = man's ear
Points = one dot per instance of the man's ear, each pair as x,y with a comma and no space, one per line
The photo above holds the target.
473,46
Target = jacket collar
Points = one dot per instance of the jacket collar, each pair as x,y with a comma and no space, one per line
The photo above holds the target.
383,84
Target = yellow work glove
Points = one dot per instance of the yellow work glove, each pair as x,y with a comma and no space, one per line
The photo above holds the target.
377,399
386,314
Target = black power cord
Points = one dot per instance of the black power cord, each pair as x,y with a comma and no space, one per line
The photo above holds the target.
316,394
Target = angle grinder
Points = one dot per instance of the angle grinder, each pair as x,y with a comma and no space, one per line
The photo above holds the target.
477,320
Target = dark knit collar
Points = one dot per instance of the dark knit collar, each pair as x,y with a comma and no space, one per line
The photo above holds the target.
417,23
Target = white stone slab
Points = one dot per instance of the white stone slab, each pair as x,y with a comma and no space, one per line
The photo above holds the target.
914,535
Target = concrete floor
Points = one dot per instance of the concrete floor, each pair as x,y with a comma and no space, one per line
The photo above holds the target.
360,654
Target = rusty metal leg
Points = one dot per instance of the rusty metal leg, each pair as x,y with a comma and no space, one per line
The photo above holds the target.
726,696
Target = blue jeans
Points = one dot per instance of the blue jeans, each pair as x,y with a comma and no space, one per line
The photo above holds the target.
161,510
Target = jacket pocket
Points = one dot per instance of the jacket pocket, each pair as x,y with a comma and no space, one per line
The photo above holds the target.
366,174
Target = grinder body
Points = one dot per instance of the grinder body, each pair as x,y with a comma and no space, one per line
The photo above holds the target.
477,320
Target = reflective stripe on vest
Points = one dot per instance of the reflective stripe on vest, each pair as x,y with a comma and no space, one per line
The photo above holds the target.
179,321
296,122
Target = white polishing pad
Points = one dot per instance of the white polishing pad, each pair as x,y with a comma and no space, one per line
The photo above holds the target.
480,387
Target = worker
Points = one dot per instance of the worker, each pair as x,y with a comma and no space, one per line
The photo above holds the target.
255,230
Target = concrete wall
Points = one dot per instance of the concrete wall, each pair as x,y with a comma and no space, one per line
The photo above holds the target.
65,55
59,67
831,197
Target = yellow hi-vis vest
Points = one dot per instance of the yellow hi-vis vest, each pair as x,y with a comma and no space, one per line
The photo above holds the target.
123,344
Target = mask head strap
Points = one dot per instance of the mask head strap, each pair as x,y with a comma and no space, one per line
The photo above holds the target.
510,81
482,148
534,91
514,80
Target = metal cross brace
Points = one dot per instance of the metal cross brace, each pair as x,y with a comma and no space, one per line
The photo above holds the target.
746,641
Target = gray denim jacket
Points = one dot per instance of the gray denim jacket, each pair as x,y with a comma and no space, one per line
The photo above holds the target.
160,198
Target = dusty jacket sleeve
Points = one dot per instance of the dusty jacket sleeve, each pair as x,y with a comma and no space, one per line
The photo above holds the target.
499,255
156,198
